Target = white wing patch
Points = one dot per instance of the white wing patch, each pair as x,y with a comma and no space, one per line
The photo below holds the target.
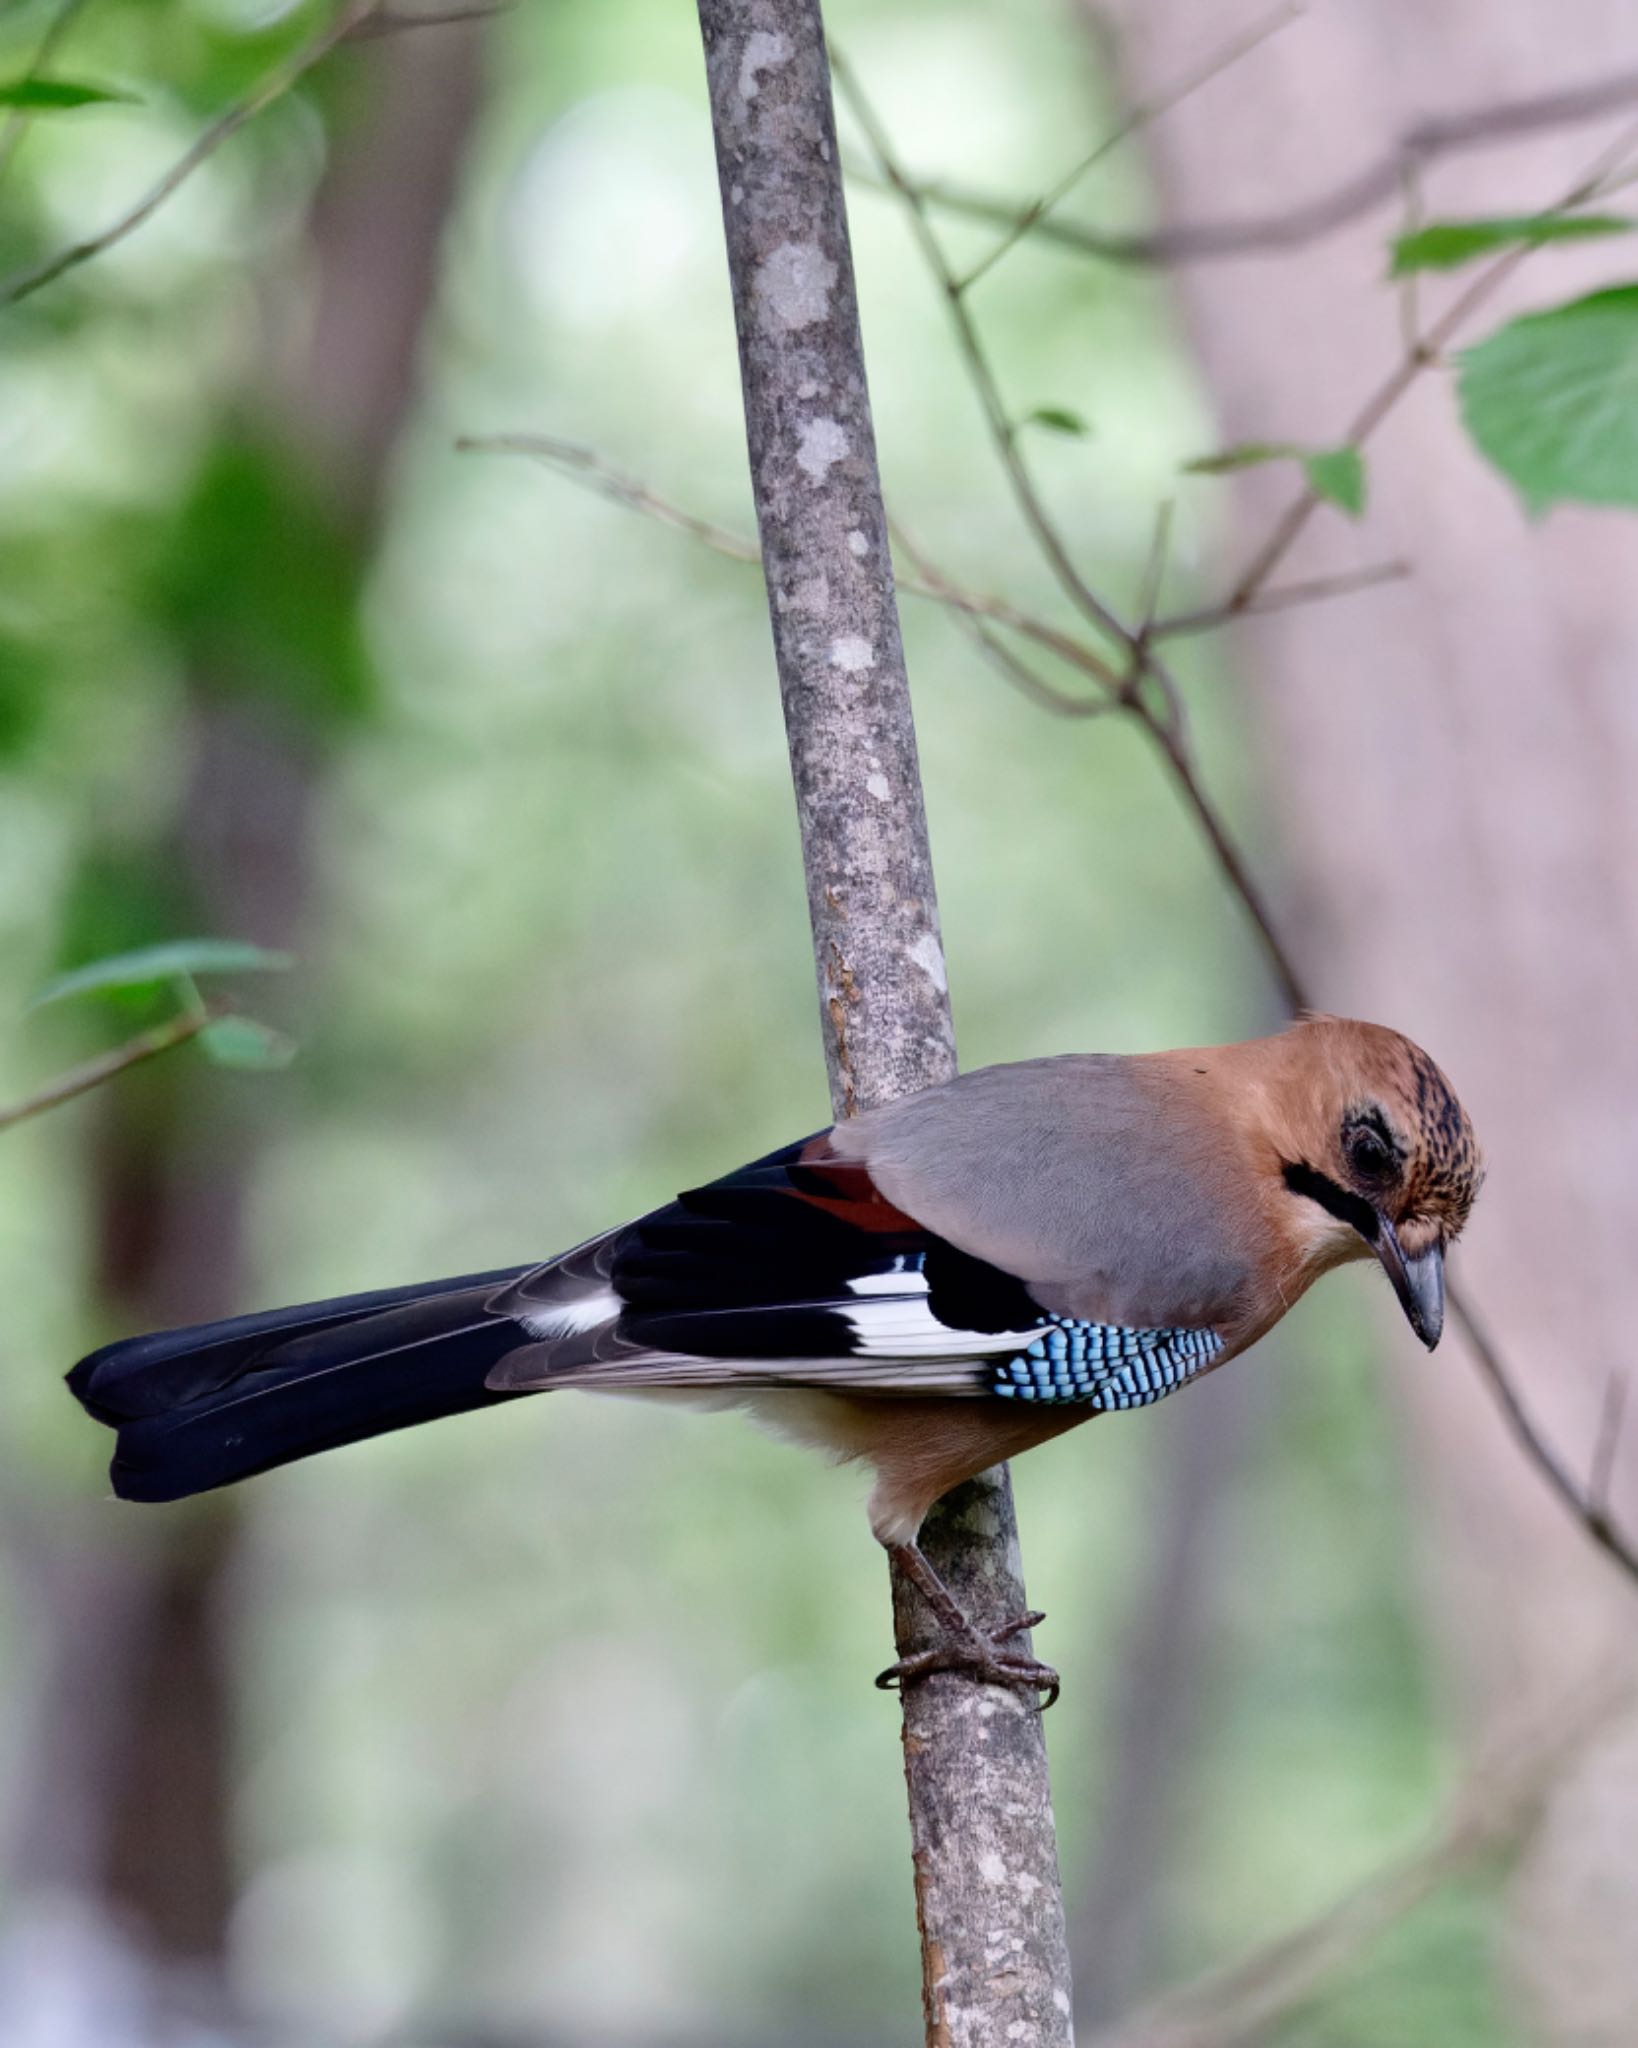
569,1318
899,1328
891,1319
903,1279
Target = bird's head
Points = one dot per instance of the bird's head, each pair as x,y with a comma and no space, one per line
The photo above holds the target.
1381,1156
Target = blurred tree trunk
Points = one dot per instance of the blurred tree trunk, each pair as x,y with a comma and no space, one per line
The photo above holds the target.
1453,760
176,1161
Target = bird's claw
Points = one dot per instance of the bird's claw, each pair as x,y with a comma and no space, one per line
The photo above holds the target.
980,1655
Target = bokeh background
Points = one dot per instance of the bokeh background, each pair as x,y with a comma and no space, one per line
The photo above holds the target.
552,1727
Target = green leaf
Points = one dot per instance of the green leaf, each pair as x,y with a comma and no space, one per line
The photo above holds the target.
51,95
1338,475
173,961
242,1042
1244,455
1447,244
1058,418
1552,400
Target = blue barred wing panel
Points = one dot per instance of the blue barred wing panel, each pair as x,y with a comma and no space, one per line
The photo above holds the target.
1104,1367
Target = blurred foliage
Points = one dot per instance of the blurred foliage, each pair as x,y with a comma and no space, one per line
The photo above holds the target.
556,1719
258,582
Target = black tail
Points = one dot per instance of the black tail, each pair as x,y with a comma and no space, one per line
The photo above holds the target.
199,1408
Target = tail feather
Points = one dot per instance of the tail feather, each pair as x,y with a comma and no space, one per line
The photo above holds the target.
201,1407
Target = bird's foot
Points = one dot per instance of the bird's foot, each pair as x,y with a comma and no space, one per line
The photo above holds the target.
982,1655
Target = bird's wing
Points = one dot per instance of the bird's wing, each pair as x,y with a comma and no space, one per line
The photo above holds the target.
1105,1184
797,1271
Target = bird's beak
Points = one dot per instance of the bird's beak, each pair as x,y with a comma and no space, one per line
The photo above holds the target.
1419,1283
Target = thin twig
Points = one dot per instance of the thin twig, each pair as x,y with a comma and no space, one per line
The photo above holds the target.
1013,670
1121,693
1003,429
1154,571
1592,1513
19,120
1139,116
1297,227
1493,1809
273,86
1229,858
585,466
1166,725
1410,285
147,1045
397,21
588,467
1283,597
1616,1388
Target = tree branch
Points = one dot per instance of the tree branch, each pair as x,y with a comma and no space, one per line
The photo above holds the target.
1283,597
1298,226
1163,722
395,21
147,1045
1039,211
994,1959
586,466
278,81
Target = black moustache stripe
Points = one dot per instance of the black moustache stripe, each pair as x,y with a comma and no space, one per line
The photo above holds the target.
1319,1187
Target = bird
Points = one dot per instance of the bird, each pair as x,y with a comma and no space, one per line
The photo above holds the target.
927,1288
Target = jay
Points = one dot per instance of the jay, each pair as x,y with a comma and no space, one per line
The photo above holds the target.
928,1288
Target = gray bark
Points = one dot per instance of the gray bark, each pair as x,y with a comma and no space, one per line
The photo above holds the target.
995,1964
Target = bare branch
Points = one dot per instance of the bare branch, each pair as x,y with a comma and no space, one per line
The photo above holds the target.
586,466
1137,117
1587,1505
1297,227
1154,570
396,21
1013,670
1165,725
1283,597
1616,1389
1495,1806
147,1045
1003,429
273,86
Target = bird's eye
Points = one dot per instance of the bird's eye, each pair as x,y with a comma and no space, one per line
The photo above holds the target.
1369,1150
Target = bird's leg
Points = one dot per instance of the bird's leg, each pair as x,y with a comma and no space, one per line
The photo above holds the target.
962,1644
